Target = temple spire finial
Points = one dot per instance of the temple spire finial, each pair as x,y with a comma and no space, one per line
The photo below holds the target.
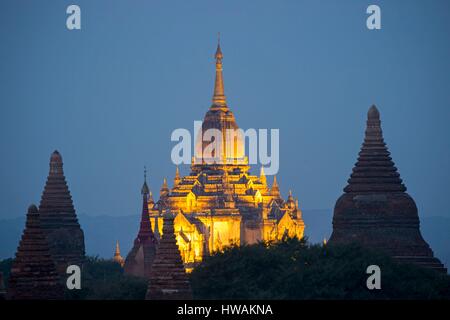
117,253
117,257
262,176
219,99
145,190
177,178
150,198
275,190
373,113
164,191
275,183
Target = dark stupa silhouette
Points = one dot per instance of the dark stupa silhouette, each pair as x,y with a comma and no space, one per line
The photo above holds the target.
141,256
33,272
168,278
59,220
375,210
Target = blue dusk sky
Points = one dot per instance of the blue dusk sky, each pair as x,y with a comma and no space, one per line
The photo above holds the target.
109,95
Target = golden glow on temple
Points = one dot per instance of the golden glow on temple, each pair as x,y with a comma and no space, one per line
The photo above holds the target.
221,203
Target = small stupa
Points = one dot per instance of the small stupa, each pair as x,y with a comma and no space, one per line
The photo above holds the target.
33,272
117,257
168,278
375,210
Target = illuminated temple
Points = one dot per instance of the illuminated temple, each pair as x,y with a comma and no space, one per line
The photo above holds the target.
220,202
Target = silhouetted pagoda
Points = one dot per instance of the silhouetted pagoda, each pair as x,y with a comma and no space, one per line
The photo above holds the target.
33,272
141,256
59,220
375,210
168,278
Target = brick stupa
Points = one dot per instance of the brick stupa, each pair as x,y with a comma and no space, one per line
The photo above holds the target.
375,210
139,260
33,272
168,278
59,220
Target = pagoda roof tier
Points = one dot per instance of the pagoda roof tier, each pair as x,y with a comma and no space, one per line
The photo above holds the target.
168,279
33,272
374,171
58,218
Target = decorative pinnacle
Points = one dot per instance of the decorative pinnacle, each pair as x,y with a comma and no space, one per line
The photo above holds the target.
275,183
117,253
56,163
219,99
262,176
150,197
373,113
145,190
56,156
218,55
373,128
32,209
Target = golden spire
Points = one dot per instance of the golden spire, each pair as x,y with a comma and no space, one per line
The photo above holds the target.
117,257
219,99
275,190
117,253
164,189
150,197
262,176
177,178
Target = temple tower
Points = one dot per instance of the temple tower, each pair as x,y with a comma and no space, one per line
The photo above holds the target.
375,210
59,220
227,151
168,278
220,202
275,190
141,256
33,272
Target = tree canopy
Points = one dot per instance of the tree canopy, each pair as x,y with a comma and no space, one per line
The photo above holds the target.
293,269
